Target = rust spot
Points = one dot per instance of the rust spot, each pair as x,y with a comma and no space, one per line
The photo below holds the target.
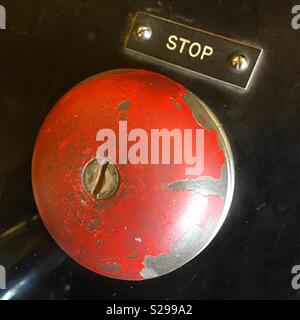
124,105
132,256
94,224
98,243
110,267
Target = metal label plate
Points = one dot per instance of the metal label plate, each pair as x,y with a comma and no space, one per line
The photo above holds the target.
192,49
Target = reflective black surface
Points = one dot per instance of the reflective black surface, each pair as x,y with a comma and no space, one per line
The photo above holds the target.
49,46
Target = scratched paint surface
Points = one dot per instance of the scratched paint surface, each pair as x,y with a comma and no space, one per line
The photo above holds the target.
113,236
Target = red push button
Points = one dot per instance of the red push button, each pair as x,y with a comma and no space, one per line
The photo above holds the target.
132,174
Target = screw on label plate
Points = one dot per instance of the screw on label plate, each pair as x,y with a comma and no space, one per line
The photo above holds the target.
100,178
143,33
239,62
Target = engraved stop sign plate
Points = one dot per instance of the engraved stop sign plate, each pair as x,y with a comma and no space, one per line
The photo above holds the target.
132,174
188,49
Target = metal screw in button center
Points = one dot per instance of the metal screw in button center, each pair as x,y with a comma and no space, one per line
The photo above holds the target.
100,178
143,33
239,62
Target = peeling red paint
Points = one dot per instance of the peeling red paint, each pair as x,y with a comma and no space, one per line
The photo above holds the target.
141,208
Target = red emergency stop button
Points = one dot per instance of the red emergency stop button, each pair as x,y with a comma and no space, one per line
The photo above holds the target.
132,174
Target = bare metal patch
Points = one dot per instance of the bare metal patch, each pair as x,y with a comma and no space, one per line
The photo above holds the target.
206,186
199,110
132,256
176,103
182,251
204,116
110,267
